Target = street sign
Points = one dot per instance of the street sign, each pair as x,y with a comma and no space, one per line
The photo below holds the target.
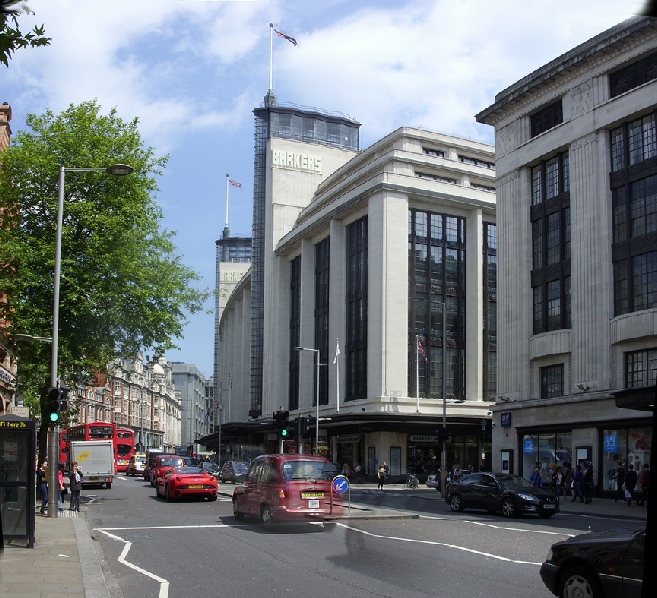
340,484
21,411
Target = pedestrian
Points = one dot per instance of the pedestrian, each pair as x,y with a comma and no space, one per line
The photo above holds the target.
60,487
557,482
535,479
357,472
645,481
456,472
619,475
588,482
75,481
630,483
568,485
382,475
42,481
346,470
471,469
578,484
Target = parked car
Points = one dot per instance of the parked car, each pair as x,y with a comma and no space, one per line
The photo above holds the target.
512,495
433,480
179,482
603,564
162,462
234,471
287,487
211,467
136,465
191,462
151,455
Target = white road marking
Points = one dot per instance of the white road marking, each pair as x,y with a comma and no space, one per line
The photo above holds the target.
164,584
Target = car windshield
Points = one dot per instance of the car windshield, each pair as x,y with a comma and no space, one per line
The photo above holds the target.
169,462
210,466
514,482
308,470
187,470
240,467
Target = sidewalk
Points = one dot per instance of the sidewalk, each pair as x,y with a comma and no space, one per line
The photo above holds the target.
66,562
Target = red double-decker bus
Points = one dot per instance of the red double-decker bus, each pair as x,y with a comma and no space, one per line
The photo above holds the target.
124,447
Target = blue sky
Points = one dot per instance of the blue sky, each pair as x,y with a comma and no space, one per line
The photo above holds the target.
192,71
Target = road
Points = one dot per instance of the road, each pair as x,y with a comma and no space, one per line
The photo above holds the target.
157,549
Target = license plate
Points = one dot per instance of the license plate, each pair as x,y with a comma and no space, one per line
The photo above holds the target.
195,486
313,504
312,495
549,506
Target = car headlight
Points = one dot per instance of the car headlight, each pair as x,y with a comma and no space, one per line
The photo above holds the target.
528,497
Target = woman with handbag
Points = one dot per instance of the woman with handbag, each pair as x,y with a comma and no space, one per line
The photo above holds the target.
60,487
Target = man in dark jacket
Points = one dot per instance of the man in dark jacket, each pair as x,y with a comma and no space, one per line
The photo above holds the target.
75,485
630,483
620,480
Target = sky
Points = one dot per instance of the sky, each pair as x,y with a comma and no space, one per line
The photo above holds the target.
192,71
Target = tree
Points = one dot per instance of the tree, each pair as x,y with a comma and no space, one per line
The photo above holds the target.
123,288
11,37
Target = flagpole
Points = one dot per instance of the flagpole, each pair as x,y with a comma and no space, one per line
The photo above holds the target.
337,371
227,185
271,56
417,374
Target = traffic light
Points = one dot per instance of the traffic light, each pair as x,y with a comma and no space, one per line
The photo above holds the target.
281,421
303,426
54,405
63,398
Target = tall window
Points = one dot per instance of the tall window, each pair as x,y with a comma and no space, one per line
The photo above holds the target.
550,219
641,368
295,332
634,212
356,346
490,310
552,381
437,282
322,263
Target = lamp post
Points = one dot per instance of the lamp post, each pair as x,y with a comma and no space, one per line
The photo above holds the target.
53,441
316,351
443,459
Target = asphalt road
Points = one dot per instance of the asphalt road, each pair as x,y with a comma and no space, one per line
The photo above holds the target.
157,549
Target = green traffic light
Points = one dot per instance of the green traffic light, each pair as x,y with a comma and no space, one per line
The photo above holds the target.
54,418
284,433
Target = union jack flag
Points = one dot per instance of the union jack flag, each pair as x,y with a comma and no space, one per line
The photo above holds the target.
287,37
421,350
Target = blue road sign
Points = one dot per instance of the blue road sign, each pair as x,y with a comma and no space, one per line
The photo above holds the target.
340,484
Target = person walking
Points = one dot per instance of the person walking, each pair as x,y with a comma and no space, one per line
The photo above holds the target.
630,483
620,481
645,481
60,487
578,484
588,482
75,480
557,482
382,475
42,481
535,479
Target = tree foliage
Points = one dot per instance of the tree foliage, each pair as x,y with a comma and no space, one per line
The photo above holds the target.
11,36
123,288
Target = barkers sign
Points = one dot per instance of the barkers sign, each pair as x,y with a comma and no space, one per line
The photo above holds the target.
296,160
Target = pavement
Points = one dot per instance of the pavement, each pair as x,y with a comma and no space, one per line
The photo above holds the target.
67,561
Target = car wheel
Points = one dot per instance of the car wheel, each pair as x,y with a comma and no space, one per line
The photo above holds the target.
236,513
265,514
509,507
455,502
166,494
212,498
579,581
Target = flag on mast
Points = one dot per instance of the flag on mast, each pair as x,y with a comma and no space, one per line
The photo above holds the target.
234,183
421,350
337,375
337,352
287,37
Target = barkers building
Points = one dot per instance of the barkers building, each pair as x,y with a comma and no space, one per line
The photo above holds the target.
370,305
576,160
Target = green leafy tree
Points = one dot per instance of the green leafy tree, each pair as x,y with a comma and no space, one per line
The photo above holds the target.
122,286
11,36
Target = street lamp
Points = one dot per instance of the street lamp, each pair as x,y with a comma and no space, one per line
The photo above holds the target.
443,458
316,351
53,458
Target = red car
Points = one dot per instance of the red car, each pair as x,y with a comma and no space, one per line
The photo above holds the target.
163,462
178,482
288,487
